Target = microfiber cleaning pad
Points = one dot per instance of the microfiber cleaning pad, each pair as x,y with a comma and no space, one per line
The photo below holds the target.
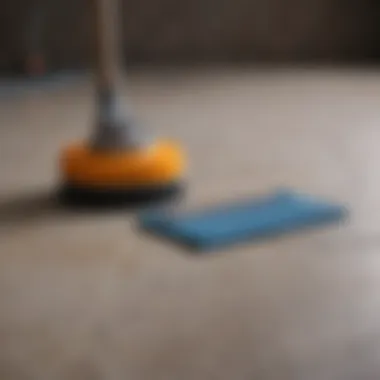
260,217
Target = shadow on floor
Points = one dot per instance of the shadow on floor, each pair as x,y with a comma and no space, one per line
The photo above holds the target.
31,208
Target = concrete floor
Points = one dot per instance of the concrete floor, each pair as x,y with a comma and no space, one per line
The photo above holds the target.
85,296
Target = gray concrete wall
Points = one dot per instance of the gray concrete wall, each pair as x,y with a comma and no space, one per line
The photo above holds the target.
171,30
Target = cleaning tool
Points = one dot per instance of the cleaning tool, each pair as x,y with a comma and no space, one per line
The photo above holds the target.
117,165
258,218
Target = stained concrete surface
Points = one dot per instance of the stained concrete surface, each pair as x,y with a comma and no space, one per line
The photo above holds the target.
86,296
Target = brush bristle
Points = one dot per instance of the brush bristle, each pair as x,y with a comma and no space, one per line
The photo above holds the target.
73,195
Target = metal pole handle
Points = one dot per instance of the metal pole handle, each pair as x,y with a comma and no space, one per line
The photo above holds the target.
107,43
114,131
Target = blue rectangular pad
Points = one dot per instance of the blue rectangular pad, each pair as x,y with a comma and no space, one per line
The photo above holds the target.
260,217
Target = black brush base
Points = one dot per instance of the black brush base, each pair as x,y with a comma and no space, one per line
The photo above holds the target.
80,197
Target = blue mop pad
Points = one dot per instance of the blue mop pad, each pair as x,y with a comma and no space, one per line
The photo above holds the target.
260,217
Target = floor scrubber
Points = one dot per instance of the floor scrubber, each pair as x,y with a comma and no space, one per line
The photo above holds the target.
117,165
